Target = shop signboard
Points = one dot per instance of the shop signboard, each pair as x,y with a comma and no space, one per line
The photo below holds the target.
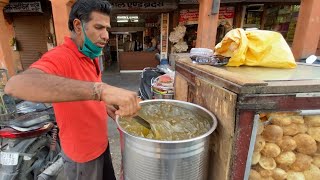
144,5
191,16
226,15
164,35
14,7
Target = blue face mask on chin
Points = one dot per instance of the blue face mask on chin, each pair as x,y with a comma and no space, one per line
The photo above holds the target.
89,48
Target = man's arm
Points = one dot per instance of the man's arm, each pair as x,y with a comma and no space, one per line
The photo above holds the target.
37,86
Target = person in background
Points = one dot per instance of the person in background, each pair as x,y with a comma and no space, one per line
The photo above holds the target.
69,76
150,48
154,42
127,45
107,55
146,45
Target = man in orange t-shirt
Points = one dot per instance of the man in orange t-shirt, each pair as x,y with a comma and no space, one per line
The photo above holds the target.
69,76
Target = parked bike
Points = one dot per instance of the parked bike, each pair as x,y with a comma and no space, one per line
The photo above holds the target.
148,74
156,83
29,144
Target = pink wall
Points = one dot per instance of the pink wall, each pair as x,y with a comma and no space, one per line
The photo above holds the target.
7,56
307,34
60,11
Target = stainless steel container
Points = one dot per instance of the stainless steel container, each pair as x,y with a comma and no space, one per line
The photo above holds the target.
147,159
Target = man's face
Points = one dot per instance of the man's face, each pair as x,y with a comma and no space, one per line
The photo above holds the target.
97,29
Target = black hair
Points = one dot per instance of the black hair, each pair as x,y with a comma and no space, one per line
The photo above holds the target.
82,10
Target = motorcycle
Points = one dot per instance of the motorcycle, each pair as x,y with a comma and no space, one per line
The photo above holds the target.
29,144
147,75
150,81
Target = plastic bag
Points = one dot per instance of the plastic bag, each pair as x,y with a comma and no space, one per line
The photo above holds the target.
256,48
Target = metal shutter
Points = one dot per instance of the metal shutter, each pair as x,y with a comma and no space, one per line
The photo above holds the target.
31,37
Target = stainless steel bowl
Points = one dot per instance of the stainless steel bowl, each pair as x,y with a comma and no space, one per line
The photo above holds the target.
168,160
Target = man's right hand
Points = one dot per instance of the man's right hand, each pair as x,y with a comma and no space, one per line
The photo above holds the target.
127,101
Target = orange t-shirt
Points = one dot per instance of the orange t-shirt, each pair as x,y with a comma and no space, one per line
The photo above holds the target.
82,124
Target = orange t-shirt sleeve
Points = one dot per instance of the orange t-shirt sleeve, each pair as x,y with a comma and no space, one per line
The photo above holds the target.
52,63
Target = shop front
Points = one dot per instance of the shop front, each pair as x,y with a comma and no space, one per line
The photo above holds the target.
276,16
272,16
139,31
32,30
251,102
189,16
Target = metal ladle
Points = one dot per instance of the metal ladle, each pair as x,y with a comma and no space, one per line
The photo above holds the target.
138,119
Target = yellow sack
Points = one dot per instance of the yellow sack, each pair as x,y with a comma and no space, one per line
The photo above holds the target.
256,48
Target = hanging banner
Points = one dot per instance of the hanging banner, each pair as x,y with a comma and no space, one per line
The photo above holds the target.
144,5
226,15
164,35
189,16
226,12
14,7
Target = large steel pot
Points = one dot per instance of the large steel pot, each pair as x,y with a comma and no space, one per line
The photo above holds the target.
167,160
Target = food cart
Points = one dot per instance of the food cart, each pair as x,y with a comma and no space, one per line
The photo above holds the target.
242,99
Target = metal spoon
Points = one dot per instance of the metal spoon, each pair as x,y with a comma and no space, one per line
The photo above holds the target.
142,121
138,119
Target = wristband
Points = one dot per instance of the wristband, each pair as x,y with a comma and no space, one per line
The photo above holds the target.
97,90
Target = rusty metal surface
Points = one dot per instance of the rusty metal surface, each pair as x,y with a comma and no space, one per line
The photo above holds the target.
274,87
283,102
276,96
189,74
253,137
218,73
189,71
241,144
292,94
302,72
